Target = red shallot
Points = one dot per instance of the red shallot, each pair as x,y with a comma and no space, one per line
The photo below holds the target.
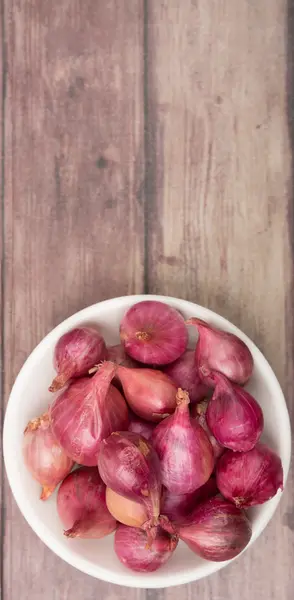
45,459
129,466
150,393
184,374
88,411
221,351
177,507
199,412
153,332
217,530
184,450
128,512
233,415
141,427
249,478
81,505
75,353
134,551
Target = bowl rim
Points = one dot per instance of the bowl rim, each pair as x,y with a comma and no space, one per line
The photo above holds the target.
70,556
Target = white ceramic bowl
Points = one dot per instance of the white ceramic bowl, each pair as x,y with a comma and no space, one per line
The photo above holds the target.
29,397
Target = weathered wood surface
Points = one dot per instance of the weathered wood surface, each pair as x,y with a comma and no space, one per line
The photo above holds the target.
148,148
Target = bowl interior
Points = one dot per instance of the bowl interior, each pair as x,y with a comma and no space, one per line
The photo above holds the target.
29,397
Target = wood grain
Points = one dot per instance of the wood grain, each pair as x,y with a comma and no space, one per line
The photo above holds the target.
211,219
2,91
218,228
73,207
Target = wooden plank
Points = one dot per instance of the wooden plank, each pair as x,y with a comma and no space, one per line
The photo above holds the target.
74,207
219,234
2,102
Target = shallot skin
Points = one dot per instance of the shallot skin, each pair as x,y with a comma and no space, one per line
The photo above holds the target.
128,512
221,351
134,551
233,415
184,450
198,411
82,507
129,465
76,352
47,462
144,428
177,507
185,375
250,478
150,393
217,530
118,355
153,333
88,411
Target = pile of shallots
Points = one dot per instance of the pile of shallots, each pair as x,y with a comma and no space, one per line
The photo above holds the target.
173,432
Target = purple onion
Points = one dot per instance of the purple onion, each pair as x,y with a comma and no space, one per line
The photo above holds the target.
184,450
135,552
76,352
129,466
221,351
233,415
249,478
153,333
184,374
217,530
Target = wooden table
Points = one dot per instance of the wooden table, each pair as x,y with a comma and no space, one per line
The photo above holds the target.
147,148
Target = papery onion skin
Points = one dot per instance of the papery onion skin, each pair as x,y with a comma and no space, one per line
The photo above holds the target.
221,351
134,551
184,450
250,478
185,375
150,394
153,333
47,462
198,411
217,530
128,465
233,415
137,425
118,355
128,512
75,353
88,411
178,507
82,507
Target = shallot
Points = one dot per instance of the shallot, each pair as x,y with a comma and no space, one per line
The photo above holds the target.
88,411
249,478
129,466
184,450
199,412
177,507
149,393
153,332
134,551
128,512
75,353
185,375
233,415
217,530
81,505
221,351
47,462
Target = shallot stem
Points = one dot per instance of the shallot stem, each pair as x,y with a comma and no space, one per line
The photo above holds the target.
182,398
